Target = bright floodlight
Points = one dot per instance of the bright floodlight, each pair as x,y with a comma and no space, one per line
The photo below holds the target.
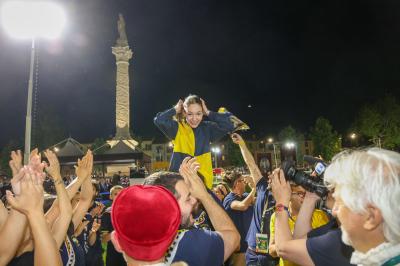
30,19
353,136
290,145
216,149
270,140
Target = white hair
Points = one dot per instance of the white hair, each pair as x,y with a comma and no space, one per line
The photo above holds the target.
370,176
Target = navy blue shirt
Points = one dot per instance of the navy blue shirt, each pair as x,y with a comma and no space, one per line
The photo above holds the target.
71,252
200,247
255,226
241,219
263,195
328,249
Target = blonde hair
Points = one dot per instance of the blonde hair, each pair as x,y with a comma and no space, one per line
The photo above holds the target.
370,176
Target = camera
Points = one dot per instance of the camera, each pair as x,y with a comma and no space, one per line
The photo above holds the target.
310,183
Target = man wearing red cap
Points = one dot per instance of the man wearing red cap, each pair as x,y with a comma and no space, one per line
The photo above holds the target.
197,246
146,221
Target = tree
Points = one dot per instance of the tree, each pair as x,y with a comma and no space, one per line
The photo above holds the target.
12,145
380,122
233,154
327,141
49,131
97,143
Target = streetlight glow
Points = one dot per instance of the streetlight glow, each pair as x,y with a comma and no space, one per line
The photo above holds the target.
290,145
30,19
216,150
353,136
270,140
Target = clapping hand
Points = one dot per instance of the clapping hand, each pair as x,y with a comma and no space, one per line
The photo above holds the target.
30,200
53,168
188,171
84,167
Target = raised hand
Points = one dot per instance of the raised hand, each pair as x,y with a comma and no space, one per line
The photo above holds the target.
85,166
35,161
53,168
96,225
179,106
30,200
204,106
280,187
188,171
236,138
96,211
15,162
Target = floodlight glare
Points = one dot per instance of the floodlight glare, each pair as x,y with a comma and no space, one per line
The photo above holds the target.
30,19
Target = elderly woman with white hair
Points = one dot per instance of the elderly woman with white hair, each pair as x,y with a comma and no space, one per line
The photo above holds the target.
367,194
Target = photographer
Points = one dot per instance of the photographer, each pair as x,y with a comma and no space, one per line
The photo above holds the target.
324,250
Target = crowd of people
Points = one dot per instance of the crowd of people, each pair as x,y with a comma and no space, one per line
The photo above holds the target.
178,218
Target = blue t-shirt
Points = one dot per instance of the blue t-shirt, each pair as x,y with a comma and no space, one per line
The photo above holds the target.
241,219
199,247
255,226
328,249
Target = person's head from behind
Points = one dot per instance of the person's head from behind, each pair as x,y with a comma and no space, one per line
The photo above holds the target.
176,185
236,182
114,191
367,193
146,221
193,110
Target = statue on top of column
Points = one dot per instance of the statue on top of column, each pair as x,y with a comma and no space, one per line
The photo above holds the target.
123,39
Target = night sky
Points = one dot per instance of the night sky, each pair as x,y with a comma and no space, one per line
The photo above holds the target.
292,61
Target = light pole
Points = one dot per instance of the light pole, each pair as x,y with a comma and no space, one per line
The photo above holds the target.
271,141
29,19
216,151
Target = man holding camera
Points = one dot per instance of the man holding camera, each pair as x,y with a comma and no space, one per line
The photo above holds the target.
325,249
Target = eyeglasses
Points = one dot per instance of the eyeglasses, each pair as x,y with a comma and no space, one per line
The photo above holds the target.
300,194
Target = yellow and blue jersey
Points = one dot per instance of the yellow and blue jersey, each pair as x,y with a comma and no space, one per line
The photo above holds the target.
194,142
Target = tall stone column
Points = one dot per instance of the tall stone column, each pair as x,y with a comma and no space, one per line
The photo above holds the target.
122,107
122,54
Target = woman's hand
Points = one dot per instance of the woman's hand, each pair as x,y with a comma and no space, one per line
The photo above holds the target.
205,109
179,106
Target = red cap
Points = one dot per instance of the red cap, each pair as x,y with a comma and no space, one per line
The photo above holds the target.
146,220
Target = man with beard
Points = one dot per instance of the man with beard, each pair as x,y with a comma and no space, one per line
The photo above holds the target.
367,193
197,246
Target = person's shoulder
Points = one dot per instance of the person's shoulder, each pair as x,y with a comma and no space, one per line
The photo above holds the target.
228,200
210,243
201,233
